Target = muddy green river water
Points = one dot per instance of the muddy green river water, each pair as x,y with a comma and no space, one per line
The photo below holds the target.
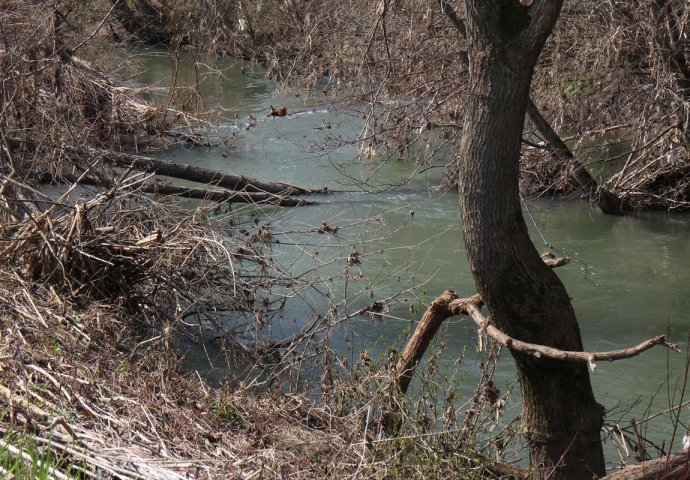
629,279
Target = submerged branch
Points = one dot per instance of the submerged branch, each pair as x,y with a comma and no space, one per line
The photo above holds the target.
201,175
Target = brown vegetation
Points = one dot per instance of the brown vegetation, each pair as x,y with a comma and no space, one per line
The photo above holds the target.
51,96
101,279
614,75
96,291
94,296
616,78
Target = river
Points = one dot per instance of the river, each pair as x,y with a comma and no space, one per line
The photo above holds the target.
629,279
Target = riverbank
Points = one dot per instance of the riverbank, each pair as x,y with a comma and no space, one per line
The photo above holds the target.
91,385
99,283
100,286
90,398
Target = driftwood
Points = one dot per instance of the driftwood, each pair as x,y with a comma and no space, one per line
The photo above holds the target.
201,175
161,188
448,304
226,196
185,172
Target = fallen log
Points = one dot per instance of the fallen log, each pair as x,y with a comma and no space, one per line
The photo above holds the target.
184,172
226,196
162,188
200,175
607,201
671,467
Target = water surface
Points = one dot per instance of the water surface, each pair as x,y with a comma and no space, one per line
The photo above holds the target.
629,279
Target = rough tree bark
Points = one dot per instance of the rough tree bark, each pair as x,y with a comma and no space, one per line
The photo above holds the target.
607,201
525,298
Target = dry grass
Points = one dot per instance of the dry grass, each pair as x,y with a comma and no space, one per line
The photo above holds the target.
91,306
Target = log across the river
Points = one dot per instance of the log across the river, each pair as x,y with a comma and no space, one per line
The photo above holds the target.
161,188
201,175
191,173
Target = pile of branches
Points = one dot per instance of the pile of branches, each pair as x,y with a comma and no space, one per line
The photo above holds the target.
96,290
95,294
544,175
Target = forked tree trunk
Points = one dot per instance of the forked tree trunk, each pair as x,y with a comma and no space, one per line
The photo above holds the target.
525,298
607,201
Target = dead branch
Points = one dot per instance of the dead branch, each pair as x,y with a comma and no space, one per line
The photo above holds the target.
470,306
201,175
676,466
225,196
448,305
175,170
162,188
434,316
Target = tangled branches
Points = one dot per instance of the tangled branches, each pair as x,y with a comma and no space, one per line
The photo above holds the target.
94,295
614,75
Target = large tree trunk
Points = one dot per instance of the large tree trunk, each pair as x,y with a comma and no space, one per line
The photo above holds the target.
525,298
608,202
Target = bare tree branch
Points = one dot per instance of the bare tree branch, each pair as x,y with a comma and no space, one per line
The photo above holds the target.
470,306
448,305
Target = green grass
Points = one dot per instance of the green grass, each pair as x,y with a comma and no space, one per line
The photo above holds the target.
22,458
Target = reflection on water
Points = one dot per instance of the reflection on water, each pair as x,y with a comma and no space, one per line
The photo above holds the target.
629,279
